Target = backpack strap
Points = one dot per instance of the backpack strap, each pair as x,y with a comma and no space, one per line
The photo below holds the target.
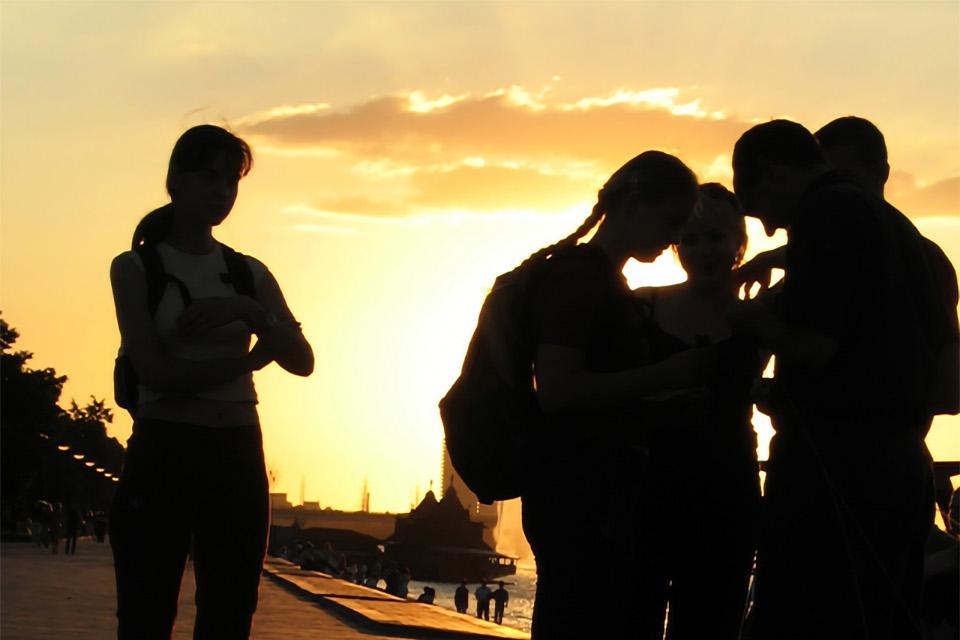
158,278
238,272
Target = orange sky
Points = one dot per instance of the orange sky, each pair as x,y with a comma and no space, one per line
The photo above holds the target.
405,155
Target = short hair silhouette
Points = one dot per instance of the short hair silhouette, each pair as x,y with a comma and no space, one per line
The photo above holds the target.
859,134
780,141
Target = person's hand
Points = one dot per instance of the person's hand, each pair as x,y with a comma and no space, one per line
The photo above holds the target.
209,313
758,271
689,368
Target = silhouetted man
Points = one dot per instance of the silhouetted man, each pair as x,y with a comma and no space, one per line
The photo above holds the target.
73,530
461,597
483,601
856,148
500,599
852,333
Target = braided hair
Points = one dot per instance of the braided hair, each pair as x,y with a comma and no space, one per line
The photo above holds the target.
650,178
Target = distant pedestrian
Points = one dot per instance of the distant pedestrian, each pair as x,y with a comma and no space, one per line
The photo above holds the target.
373,575
38,526
100,527
55,527
392,577
500,599
483,600
404,582
74,522
461,598
428,595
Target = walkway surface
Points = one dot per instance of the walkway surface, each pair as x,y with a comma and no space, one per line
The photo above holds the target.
382,611
46,596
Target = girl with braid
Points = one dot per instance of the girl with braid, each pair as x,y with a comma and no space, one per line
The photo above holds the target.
596,384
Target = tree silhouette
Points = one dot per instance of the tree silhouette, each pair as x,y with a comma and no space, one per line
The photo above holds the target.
33,426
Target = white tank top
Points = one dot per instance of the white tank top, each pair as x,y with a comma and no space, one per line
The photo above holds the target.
202,274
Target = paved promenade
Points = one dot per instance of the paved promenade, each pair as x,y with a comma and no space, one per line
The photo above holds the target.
389,614
45,596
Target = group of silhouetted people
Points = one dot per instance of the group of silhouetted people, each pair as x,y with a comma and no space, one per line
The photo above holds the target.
52,522
484,596
648,398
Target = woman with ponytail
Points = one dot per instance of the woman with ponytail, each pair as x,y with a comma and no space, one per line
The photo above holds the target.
596,383
187,307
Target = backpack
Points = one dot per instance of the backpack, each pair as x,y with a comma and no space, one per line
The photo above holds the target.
491,412
126,382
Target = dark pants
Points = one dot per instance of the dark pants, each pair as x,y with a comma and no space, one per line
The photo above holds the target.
184,482
580,517
698,546
71,544
845,510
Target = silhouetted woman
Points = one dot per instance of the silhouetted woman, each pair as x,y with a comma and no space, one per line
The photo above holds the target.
705,487
194,465
594,375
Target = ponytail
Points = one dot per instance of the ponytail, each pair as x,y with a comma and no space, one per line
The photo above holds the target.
195,149
154,227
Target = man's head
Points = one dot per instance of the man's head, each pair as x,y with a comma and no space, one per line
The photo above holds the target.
772,165
856,148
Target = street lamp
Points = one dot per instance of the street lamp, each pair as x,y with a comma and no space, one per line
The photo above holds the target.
99,469
89,463
78,456
63,447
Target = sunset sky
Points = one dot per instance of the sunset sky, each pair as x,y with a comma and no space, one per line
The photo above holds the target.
406,154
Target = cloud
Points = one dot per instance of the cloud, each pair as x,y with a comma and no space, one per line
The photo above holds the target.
497,187
508,125
514,149
359,205
483,187
941,198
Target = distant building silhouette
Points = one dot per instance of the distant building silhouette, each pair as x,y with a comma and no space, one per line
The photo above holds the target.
439,540
309,515
487,514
